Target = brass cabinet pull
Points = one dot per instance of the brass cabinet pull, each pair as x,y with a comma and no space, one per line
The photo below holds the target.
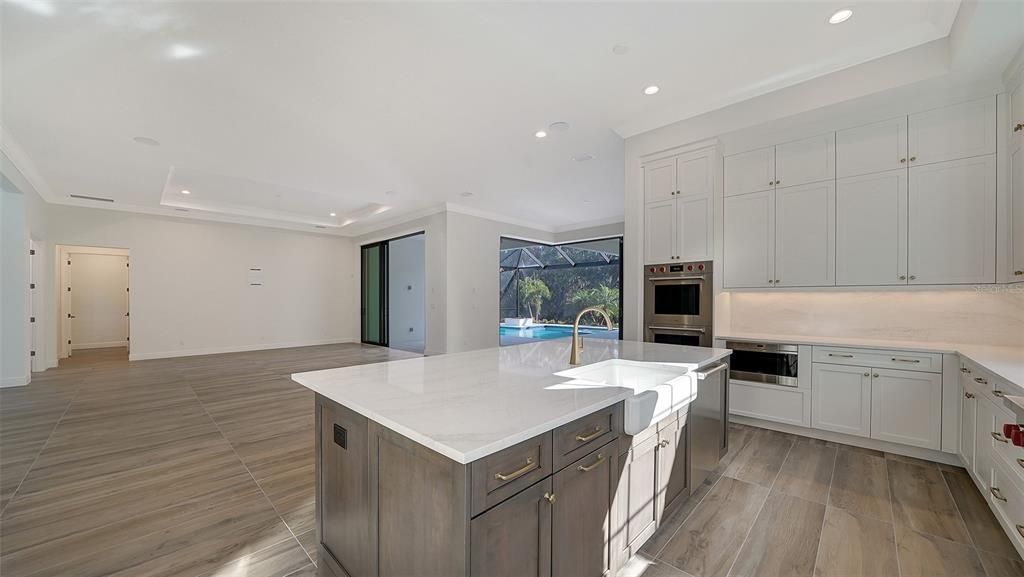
965,370
913,158
997,494
899,360
550,498
517,473
1020,461
969,395
999,437
998,393
1018,128
981,380
587,438
840,356
903,160
597,463
663,444
1018,273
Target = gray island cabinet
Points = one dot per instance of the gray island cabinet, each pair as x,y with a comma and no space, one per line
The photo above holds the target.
533,481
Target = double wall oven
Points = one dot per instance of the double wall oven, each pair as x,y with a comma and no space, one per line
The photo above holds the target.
678,301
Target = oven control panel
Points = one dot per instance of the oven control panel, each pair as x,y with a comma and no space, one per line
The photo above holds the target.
689,267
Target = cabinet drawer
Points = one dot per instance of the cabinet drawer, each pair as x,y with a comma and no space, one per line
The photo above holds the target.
991,386
881,359
499,476
1007,499
576,439
1011,455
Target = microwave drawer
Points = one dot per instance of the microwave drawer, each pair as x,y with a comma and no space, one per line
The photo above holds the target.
879,358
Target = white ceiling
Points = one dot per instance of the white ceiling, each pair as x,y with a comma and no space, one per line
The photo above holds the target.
282,112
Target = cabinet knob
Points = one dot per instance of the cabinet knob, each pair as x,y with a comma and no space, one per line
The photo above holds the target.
969,395
998,393
778,182
770,281
996,493
912,277
903,160
777,281
549,497
867,374
1018,273
771,182
903,277
663,443
1019,127
875,375
913,158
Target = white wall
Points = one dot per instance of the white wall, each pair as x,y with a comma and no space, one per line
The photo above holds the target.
406,293
99,300
14,365
189,288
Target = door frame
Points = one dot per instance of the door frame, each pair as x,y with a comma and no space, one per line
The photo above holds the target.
64,253
382,293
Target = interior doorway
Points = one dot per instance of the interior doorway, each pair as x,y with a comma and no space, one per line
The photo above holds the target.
95,299
393,295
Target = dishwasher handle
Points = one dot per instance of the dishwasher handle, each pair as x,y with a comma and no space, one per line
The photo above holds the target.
717,368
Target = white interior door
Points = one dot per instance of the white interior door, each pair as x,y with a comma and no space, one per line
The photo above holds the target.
749,239
875,147
952,132
805,235
694,227
660,180
952,222
805,161
906,407
841,399
99,300
750,171
871,229
660,231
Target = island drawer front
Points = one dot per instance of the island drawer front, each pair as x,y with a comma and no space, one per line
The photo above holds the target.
880,359
580,437
499,476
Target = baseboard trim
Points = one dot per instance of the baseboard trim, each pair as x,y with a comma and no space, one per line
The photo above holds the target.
107,345
236,349
15,381
884,446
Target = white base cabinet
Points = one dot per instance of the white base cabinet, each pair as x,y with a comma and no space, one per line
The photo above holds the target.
841,399
906,407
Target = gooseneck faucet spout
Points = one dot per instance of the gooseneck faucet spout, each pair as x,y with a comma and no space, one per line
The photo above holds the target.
577,341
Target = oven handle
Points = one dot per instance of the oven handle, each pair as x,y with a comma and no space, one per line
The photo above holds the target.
680,329
665,278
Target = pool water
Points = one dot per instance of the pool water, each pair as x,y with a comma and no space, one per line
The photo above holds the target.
546,332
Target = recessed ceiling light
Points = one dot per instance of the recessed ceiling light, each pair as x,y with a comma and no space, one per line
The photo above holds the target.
651,90
465,194
840,16
540,134
583,157
558,126
147,141
183,51
186,192
333,214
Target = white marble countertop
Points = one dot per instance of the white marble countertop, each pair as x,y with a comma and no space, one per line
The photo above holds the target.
470,405
1006,362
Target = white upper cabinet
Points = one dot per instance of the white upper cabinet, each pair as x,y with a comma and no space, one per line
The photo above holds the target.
660,231
750,171
660,180
874,147
805,161
805,229
952,222
694,227
871,229
678,207
1016,164
953,132
749,240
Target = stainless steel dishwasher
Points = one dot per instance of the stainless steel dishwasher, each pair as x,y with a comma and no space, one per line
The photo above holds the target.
708,422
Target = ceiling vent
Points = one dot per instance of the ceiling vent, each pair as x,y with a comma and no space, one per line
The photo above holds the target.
96,198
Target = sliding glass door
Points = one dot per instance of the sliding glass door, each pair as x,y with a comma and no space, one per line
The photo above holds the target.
374,276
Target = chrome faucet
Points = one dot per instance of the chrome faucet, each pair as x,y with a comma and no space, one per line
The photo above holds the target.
577,341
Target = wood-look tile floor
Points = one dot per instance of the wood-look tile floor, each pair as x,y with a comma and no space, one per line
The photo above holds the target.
190,467
787,506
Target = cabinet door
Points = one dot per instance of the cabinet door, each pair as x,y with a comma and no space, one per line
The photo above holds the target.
693,227
750,171
749,238
581,515
344,500
660,180
635,499
841,399
968,427
871,229
695,173
906,407
984,443
513,539
959,131
660,231
805,161
874,147
1016,159
673,481
805,235
952,222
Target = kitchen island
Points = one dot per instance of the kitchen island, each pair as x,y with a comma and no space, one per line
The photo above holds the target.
509,461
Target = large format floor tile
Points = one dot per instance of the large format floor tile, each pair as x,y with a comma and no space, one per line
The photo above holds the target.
922,502
783,541
860,485
855,546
